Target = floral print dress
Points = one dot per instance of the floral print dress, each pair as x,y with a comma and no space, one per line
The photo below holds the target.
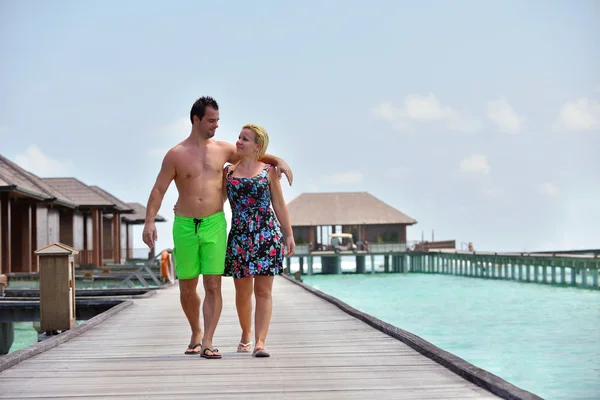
255,243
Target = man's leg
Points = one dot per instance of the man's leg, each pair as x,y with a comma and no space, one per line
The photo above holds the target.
187,267
243,305
213,305
213,244
190,302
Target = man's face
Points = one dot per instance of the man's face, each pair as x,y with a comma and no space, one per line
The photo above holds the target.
208,125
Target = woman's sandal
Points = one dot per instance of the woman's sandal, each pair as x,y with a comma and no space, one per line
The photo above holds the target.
244,347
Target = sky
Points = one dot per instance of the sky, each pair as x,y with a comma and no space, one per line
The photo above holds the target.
481,120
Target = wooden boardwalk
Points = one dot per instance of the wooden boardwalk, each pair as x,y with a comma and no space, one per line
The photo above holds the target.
317,352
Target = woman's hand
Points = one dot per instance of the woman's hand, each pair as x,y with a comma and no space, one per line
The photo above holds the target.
175,208
290,246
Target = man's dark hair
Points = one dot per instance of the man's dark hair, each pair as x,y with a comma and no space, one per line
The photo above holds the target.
199,107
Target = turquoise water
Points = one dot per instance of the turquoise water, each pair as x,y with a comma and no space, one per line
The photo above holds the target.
26,335
538,337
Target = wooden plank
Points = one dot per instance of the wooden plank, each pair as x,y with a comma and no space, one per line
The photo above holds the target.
317,351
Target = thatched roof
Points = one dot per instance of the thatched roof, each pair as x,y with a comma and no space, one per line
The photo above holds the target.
343,208
79,192
139,214
16,179
120,205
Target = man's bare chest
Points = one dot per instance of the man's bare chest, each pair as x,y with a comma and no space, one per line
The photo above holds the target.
207,166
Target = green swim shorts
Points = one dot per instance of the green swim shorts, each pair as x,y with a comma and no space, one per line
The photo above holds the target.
199,245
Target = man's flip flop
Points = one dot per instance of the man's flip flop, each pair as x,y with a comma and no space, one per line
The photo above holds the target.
241,350
190,349
210,356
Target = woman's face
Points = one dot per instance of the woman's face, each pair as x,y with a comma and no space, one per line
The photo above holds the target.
246,143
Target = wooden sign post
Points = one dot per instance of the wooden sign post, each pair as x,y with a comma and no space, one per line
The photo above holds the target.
57,287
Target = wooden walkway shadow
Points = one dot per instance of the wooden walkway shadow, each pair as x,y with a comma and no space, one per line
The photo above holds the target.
317,352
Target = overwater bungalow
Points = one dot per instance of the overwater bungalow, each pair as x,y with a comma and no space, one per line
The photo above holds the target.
88,222
30,212
35,212
113,227
374,225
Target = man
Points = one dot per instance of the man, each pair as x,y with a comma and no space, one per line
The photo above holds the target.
199,228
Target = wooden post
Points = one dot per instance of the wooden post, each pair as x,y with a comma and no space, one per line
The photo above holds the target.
57,287
360,264
3,283
7,336
97,239
5,227
116,238
596,281
34,239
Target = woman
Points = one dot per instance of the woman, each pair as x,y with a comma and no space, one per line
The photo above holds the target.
255,245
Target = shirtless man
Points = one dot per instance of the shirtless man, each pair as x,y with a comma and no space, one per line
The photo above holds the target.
199,227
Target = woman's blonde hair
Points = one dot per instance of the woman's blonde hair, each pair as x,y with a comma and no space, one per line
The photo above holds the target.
261,137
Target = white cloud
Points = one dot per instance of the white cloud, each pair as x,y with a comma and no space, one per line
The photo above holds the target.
548,189
341,178
500,112
580,115
33,160
476,164
426,108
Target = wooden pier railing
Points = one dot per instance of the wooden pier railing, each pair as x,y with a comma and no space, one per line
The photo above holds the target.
558,269
577,270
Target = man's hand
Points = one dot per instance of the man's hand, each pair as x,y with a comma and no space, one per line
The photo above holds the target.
149,235
282,167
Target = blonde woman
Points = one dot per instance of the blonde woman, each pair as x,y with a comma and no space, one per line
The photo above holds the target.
258,237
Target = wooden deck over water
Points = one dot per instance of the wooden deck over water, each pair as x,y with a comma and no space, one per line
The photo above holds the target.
317,351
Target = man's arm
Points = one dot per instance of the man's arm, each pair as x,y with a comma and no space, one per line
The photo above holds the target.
163,180
281,165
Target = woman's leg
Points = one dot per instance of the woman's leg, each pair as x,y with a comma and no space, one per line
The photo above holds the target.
263,286
243,304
